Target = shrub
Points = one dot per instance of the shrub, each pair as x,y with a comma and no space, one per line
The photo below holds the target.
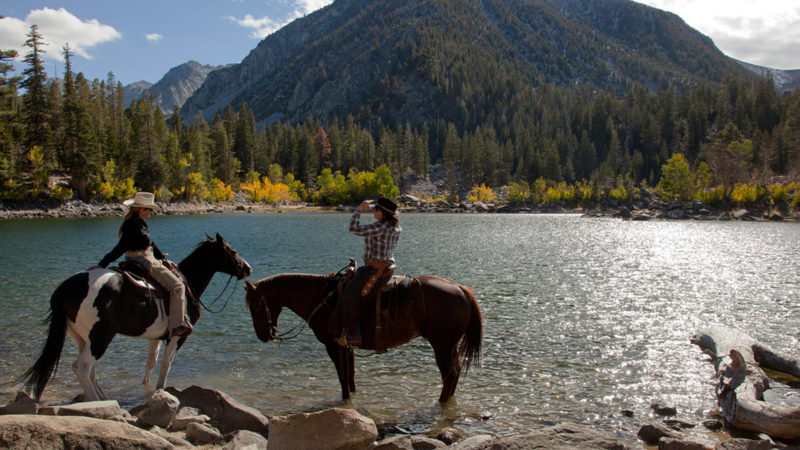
481,193
711,196
744,194
677,182
518,193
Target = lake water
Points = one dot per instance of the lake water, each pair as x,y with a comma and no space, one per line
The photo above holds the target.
583,318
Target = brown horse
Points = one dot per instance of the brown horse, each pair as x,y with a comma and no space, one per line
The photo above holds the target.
445,313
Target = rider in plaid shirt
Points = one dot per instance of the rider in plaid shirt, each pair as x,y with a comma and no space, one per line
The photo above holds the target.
380,239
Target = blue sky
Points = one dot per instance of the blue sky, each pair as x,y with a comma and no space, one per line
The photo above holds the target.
143,39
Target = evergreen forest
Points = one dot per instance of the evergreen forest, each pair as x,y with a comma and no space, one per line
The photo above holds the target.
735,141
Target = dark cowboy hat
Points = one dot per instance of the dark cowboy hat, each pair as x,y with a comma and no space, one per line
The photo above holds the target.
387,206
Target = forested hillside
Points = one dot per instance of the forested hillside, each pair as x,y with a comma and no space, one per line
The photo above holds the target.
495,126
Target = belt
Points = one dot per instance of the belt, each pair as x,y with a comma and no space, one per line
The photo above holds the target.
380,265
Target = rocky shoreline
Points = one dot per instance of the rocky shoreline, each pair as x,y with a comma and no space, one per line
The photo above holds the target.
647,207
197,417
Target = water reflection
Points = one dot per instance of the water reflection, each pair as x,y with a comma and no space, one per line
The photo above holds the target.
583,318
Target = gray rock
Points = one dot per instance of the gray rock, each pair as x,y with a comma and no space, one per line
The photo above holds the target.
679,444
185,416
474,442
662,410
561,437
450,435
329,429
160,409
226,413
103,409
22,404
171,438
241,440
651,433
426,443
741,214
402,442
45,432
744,444
678,424
200,433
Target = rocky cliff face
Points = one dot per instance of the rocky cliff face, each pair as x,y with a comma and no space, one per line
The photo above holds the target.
135,91
785,80
174,88
405,60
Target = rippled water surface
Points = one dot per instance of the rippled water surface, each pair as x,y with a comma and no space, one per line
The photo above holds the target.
583,318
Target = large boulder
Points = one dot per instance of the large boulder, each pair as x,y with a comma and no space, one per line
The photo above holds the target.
46,432
185,416
335,428
226,414
245,440
102,409
160,409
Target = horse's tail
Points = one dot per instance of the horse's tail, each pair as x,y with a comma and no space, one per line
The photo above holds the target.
469,352
46,365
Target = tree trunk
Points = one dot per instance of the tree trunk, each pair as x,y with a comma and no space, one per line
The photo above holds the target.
741,382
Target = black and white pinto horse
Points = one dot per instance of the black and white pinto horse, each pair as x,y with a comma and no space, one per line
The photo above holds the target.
95,305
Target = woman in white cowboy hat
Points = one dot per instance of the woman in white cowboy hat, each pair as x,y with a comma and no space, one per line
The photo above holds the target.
380,239
136,244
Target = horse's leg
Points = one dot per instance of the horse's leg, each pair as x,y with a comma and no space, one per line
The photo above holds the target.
152,356
449,367
337,355
83,366
351,369
166,361
97,386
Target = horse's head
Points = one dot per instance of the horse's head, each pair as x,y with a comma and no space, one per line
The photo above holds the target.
231,262
263,309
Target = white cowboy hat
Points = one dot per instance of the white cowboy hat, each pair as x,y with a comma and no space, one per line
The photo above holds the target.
142,200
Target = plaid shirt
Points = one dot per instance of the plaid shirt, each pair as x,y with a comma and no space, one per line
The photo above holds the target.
379,239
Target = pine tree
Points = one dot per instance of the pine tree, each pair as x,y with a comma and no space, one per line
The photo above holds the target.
34,101
322,147
79,153
9,124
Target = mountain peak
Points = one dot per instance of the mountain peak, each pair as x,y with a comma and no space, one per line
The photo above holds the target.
174,88
400,60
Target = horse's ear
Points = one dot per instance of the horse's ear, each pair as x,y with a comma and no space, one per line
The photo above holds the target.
220,239
209,237
248,286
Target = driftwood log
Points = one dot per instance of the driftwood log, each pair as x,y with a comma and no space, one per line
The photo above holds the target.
741,382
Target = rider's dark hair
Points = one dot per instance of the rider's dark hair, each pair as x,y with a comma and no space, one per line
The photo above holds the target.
132,212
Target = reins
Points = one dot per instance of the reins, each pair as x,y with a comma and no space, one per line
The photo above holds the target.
324,301
214,302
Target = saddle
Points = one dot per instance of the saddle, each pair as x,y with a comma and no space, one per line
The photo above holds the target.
391,291
136,276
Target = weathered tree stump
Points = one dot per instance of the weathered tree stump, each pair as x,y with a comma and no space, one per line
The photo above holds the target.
741,382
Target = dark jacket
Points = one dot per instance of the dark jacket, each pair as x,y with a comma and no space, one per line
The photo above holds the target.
135,236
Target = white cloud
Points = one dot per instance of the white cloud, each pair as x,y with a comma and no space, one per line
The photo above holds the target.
304,7
57,27
262,27
265,26
759,32
153,37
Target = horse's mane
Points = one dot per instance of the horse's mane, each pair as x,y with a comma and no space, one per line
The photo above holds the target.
294,278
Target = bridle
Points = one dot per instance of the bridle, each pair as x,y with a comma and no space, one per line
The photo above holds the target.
226,262
323,301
